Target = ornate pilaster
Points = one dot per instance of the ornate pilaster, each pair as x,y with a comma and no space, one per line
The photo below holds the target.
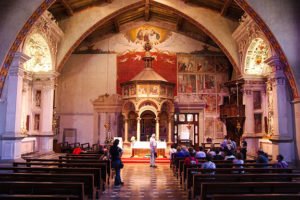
296,103
249,111
43,87
11,139
126,129
157,128
170,122
281,138
138,129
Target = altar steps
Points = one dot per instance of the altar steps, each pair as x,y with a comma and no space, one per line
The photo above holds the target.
145,160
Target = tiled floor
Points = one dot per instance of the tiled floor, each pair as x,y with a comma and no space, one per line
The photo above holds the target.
143,182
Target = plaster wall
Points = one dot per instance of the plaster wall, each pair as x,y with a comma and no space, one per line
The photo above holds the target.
13,15
75,26
282,17
83,79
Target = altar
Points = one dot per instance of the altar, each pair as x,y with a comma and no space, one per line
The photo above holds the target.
141,149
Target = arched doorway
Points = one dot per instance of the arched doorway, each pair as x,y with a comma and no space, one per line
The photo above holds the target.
147,125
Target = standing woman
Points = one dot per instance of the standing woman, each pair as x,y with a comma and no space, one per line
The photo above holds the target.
116,163
153,146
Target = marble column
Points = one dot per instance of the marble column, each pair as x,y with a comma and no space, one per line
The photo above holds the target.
280,139
138,129
296,103
171,118
46,82
11,138
126,130
249,111
157,128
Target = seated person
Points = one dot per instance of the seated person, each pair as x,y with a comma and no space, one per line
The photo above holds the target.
191,160
209,164
219,155
262,157
280,162
200,153
229,155
179,153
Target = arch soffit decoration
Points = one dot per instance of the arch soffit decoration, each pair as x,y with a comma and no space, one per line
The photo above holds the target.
152,102
147,108
274,44
170,104
125,111
246,35
228,47
242,3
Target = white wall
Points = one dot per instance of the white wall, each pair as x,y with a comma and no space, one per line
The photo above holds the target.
82,80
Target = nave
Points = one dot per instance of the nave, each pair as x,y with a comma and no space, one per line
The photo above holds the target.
143,182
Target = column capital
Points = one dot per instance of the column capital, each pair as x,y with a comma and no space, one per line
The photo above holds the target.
157,119
16,68
275,63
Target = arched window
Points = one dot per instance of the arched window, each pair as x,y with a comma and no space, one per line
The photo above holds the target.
257,53
37,48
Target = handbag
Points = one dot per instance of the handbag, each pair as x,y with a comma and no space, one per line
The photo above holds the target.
155,154
121,165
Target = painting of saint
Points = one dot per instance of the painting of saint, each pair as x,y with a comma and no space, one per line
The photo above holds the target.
186,63
200,83
209,127
126,91
256,100
132,90
187,83
142,90
211,102
163,91
257,122
205,64
154,90
210,86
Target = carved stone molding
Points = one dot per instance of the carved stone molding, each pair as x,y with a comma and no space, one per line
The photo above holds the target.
47,27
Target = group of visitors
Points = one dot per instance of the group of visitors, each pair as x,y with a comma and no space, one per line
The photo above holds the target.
228,150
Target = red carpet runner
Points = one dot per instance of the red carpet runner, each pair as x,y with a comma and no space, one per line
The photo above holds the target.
144,160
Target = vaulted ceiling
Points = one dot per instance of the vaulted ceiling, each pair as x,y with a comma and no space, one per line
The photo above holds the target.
151,11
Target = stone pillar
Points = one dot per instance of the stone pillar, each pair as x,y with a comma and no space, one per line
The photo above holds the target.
46,83
138,129
171,118
296,104
126,129
249,111
280,139
157,128
11,139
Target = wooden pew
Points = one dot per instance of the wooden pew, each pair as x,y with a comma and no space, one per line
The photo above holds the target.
208,189
87,179
255,196
50,188
225,164
194,171
101,166
98,182
36,196
107,162
198,179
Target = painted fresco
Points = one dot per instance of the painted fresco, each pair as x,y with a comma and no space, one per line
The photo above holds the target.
211,103
219,129
209,127
187,83
147,33
130,64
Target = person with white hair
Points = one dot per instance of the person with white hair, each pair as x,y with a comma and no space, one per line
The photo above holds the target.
153,154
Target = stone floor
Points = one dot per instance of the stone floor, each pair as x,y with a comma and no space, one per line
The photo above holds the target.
143,182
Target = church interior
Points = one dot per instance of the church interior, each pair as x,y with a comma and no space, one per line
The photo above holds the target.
82,73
